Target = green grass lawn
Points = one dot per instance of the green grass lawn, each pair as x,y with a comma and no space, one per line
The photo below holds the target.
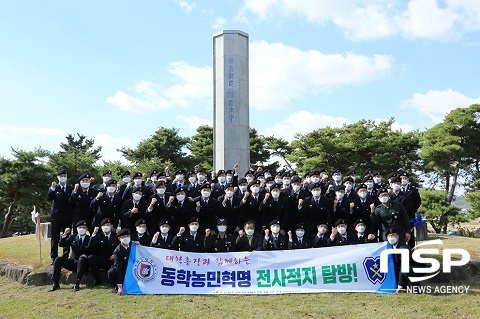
22,301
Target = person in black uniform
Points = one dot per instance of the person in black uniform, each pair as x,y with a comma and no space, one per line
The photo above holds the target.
191,241
205,208
361,207
299,240
340,236
315,208
321,238
294,195
274,240
80,199
362,236
78,261
61,213
106,176
133,209
125,177
179,208
107,205
157,209
341,206
395,242
415,201
141,236
229,208
102,244
222,241
248,239
275,206
163,238
116,274
250,203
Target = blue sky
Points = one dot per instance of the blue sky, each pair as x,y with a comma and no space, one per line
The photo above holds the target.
118,70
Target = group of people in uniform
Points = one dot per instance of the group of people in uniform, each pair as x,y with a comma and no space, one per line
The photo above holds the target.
221,212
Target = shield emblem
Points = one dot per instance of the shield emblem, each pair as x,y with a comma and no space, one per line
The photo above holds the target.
372,269
145,270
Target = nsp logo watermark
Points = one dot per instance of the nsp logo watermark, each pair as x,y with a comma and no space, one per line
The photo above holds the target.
418,257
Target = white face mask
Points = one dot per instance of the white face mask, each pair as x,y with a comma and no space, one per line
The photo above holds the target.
179,177
141,230
201,177
153,178
137,181
404,182
81,231
316,193
262,180
193,227
111,189
384,199
342,230
126,240
296,188
206,194
286,182
348,187
105,229
243,188
269,185
106,179
180,197
85,184
192,179
62,179
249,232
229,178
278,180
275,195
137,197
396,187
126,179
369,185
377,180
322,230
164,230
339,195
222,228
221,179
161,191
337,178
275,229
229,194
324,176
353,177
255,189
249,179
300,233
362,194
315,179
361,229
267,175
392,240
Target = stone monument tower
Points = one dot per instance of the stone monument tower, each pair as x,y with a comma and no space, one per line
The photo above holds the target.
230,105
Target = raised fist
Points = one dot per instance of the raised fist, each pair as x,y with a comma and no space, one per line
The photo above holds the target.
240,233
134,210
100,194
154,200
54,184
289,234
76,187
198,204
245,196
267,196
66,231
371,237
334,231
182,230
95,230
207,232
171,199
300,202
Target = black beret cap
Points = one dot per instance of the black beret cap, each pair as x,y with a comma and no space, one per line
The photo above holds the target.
161,174
358,221
242,180
323,170
206,186
274,222
123,232
194,219
221,221
391,231
340,221
81,223
382,190
287,174
396,179
254,182
336,171
110,182
278,186
403,174
220,172
349,179
154,172
137,189
296,179
377,173
179,171
107,172
200,170
139,222
164,222
227,185
250,171
137,174
229,171
84,176
300,225
360,186
368,178
367,172
339,188
105,221
125,174
351,172
159,183
392,174
316,185
179,189
268,179
323,222
61,171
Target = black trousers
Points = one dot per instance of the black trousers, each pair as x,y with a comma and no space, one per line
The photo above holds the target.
95,263
56,228
79,266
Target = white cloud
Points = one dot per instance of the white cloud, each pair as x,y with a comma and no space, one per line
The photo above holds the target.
280,73
219,23
193,85
397,126
186,6
436,104
302,122
374,19
110,145
193,122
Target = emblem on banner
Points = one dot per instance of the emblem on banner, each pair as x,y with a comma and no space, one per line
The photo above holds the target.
145,270
372,268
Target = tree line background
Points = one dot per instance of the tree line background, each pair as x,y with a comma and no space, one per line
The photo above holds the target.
440,159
